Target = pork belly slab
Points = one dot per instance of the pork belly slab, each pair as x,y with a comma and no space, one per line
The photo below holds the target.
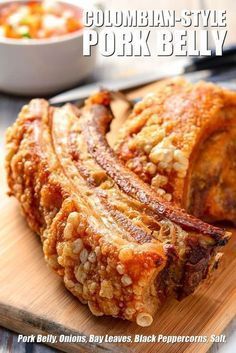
118,245
181,139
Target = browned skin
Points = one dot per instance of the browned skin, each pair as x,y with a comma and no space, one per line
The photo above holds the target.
114,250
95,131
181,141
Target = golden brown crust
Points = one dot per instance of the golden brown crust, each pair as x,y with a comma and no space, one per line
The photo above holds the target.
181,140
95,130
110,247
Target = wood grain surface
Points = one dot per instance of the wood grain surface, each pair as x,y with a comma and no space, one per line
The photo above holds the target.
33,299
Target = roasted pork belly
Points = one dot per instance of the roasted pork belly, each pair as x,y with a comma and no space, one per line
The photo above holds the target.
118,246
181,139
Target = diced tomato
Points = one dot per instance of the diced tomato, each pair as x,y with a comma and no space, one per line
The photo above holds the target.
73,24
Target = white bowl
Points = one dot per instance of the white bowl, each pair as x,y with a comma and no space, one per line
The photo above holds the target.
38,67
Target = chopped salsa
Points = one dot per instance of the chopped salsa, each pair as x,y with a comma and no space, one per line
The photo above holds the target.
39,19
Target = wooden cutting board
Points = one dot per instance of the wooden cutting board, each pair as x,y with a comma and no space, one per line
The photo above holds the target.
33,299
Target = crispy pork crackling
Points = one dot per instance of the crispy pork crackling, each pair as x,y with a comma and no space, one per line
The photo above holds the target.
181,139
117,244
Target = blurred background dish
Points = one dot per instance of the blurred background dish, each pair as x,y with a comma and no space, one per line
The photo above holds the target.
42,53
39,19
